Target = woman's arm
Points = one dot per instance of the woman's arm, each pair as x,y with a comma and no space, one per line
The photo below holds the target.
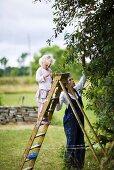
61,101
81,83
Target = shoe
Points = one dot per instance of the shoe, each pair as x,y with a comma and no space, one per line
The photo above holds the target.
33,155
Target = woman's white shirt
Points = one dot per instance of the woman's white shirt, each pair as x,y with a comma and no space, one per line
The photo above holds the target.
63,98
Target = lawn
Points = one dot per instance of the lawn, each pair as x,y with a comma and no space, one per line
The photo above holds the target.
16,99
14,139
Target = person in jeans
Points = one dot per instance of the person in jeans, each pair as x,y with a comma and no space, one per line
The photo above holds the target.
75,146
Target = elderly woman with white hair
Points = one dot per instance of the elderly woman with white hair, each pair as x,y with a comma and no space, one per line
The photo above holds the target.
44,79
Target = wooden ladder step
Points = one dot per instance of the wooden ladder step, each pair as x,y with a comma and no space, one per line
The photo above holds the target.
50,110
54,98
28,168
35,146
27,160
40,134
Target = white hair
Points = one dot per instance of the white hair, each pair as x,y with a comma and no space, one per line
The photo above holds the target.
46,58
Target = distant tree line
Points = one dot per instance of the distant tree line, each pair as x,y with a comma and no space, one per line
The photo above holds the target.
61,64
14,71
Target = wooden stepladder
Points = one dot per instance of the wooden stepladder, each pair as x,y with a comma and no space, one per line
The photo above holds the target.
38,134
39,131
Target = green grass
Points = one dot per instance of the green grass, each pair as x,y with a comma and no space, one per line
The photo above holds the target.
17,80
14,140
16,99
13,143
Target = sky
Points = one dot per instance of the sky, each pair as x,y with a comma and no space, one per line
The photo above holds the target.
25,27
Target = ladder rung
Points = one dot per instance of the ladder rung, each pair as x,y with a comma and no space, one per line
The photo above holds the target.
27,160
35,146
50,110
40,134
54,98
28,168
47,123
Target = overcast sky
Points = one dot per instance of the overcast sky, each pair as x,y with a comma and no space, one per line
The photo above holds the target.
23,23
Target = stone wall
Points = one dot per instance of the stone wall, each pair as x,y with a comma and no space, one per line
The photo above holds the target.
17,114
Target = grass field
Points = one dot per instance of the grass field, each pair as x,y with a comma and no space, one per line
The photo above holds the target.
14,139
16,99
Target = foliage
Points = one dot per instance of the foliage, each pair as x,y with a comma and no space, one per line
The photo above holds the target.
93,37
22,59
58,55
1,72
3,62
15,71
61,64
101,94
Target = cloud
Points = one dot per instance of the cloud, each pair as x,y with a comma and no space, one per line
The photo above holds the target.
21,19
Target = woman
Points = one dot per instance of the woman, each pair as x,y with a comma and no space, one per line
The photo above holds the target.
75,152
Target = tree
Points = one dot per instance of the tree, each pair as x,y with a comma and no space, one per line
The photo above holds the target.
57,53
93,37
61,64
3,62
21,61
